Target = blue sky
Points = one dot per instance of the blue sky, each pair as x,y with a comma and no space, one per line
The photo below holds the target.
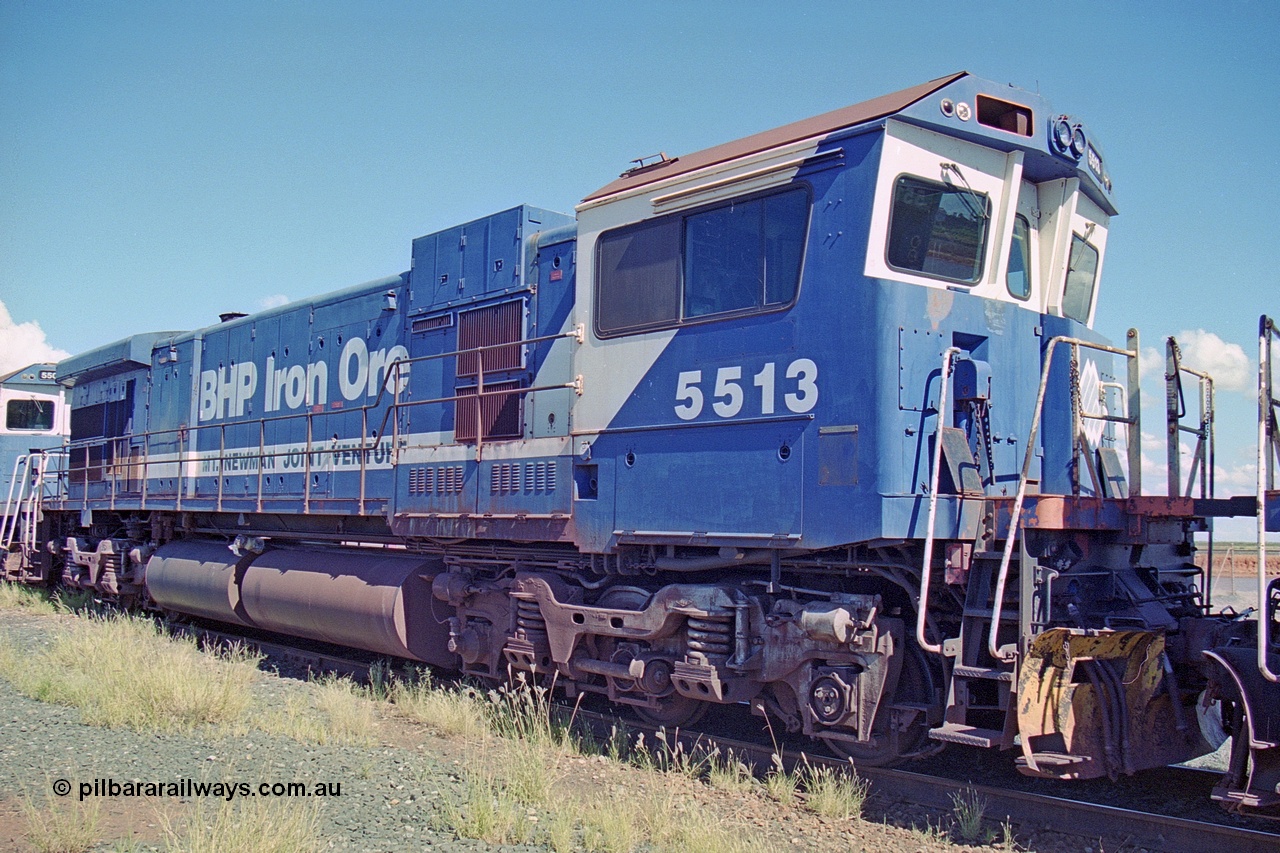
162,162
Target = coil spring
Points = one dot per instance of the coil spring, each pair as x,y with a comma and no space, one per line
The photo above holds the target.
711,636
529,620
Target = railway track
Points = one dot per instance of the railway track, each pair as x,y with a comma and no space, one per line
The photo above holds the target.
1029,810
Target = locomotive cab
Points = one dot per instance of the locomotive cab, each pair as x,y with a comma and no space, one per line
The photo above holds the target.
33,425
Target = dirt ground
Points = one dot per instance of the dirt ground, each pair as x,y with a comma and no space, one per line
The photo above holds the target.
1235,574
1238,560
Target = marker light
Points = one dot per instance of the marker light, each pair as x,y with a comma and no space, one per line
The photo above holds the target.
948,107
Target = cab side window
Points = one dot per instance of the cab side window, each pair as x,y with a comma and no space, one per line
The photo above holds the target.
738,258
29,415
1018,278
938,230
1082,276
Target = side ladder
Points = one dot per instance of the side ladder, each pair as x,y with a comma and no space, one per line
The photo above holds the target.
23,508
981,702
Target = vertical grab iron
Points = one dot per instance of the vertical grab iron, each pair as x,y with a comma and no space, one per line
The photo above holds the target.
1131,420
1268,451
1202,458
926,569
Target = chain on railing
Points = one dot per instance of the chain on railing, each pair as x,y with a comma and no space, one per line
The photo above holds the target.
1202,457
1133,421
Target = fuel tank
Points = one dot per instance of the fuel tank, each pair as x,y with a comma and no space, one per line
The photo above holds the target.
367,598
198,579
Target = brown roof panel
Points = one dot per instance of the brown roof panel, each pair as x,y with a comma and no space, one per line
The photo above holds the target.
818,125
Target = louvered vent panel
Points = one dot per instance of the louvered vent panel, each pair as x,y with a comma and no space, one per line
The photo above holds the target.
499,412
427,324
537,477
500,479
486,327
449,481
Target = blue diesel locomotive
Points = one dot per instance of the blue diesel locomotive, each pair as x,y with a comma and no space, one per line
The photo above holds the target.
813,421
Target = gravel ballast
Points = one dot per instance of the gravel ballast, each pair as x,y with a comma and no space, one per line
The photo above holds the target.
389,794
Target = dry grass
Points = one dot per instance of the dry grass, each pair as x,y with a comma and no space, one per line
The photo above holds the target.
727,773
523,778
333,711
40,601
488,812
832,794
263,826
123,671
522,784
780,785
462,713
518,788
62,827
30,599
657,817
968,808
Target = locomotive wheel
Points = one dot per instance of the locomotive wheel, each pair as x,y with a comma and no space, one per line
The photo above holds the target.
916,687
673,709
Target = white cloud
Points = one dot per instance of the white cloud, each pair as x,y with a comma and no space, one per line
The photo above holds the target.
1238,479
273,301
1228,364
1155,468
22,344
1151,363
1225,362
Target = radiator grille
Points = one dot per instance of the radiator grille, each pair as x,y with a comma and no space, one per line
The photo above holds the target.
485,327
499,412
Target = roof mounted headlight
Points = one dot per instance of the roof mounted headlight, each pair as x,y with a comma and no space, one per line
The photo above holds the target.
1062,134
1078,144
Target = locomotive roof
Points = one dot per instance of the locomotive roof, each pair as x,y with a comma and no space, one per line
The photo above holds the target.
29,375
871,110
124,354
